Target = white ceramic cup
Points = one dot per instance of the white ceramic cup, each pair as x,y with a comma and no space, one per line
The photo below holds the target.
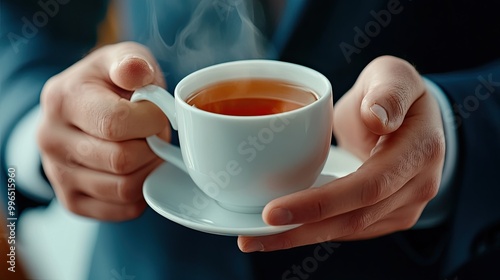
243,162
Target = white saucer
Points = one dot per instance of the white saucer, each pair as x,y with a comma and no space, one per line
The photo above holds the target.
171,192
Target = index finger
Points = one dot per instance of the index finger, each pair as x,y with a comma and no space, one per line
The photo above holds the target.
102,113
398,158
94,93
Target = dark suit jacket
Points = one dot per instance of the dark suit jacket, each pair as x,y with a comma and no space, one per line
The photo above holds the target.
455,43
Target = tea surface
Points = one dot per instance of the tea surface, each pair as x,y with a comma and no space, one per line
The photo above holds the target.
251,97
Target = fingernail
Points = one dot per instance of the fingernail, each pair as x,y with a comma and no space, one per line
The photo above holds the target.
140,62
136,57
253,246
147,78
280,216
380,113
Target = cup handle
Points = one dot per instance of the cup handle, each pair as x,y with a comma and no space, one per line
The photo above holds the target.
166,102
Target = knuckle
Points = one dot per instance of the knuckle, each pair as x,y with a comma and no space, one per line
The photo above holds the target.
61,180
428,190
72,207
408,222
125,192
402,88
113,121
51,96
70,202
118,161
109,127
374,190
318,210
134,211
357,222
286,243
428,149
398,100
47,91
57,174
434,146
49,88
45,140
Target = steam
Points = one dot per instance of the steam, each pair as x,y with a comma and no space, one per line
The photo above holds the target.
218,31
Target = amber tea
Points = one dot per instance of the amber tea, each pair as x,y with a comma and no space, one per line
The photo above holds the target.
251,97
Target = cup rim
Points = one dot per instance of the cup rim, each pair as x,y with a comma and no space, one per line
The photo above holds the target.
322,97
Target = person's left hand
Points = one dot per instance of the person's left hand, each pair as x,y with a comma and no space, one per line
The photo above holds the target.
393,124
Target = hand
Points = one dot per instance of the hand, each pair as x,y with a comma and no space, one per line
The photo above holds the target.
92,138
389,121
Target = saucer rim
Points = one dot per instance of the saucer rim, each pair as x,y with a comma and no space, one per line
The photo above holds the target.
263,230
226,231
212,229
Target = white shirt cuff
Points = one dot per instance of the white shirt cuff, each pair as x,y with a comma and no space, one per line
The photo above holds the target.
22,153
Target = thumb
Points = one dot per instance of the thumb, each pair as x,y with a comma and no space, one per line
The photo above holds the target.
132,66
389,86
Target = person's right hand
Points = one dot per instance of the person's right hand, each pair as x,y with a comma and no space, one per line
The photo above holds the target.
92,137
